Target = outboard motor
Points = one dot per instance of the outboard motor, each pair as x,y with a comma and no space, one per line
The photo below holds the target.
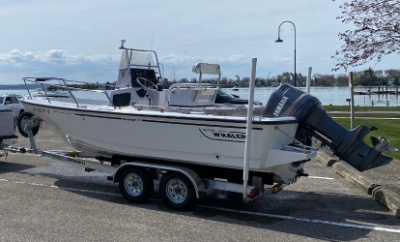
348,145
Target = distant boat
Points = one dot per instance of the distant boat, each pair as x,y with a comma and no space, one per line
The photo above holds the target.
50,93
235,89
275,84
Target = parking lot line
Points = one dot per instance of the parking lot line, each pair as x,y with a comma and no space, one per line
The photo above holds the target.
317,221
321,177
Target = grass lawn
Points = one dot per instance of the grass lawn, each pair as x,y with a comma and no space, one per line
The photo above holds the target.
360,109
388,128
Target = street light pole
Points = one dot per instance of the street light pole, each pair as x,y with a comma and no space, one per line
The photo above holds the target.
279,40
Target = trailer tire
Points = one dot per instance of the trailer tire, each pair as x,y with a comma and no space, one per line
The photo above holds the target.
177,191
136,185
23,118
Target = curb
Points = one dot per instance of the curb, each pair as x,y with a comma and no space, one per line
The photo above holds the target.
388,198
354,176
379,193
326,159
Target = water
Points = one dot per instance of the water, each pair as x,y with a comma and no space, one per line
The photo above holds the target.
77,94
18,92
326,95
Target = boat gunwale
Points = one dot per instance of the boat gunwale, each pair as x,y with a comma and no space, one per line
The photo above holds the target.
167,116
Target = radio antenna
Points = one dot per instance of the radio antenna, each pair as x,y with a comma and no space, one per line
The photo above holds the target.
152,37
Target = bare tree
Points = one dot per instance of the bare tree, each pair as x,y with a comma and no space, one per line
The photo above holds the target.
376,32
324,80
394,76
342,80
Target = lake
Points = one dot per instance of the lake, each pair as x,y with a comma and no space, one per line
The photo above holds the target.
326,95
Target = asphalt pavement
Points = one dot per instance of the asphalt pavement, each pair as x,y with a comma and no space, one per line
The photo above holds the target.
381,183
49,200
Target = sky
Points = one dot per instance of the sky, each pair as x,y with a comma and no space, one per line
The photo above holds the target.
79,39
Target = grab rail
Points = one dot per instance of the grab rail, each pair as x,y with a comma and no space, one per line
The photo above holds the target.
178,86
63,86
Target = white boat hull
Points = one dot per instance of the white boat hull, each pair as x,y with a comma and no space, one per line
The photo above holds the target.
198,139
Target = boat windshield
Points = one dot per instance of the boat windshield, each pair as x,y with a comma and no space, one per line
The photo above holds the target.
136,59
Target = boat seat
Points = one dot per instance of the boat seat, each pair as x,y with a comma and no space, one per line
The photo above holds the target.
192,95
157,97
205,68
195,94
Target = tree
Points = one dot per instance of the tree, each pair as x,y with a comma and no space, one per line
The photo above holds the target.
394,76
237,78
342,80
367,78
376,32
223,82
284,77
165,83
324,80
245,82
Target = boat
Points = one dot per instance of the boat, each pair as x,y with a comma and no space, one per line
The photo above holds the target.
275,84
183,126
180,125
235,88
49,93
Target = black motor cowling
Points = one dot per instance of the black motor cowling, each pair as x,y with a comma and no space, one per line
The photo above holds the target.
348,145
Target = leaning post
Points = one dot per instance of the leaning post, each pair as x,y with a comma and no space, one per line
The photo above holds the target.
351,100
308,83
249,125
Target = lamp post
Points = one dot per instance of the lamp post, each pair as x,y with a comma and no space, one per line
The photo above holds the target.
279,40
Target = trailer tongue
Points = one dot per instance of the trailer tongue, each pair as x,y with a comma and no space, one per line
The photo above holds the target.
348,145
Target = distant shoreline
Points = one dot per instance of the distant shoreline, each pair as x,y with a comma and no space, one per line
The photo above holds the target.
18,87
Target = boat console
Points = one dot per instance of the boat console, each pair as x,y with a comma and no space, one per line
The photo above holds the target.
138,83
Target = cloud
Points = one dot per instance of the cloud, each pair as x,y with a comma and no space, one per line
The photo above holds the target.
96,68
236,58
20,57
104,68
54,55
16,56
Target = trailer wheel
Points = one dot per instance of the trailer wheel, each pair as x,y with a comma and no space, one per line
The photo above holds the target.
177,191
136,185
23,119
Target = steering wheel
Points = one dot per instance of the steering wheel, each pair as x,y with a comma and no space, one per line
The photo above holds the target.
143,81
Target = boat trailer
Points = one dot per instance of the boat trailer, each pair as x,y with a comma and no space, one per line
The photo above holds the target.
179,189
180,186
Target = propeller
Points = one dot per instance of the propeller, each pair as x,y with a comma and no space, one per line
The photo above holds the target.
382,144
